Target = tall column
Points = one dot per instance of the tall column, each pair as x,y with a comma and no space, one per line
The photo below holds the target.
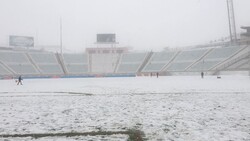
231,21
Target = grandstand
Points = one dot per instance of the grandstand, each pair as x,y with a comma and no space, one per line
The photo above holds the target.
186,58
121,62
17,63
75,63
216,56
47,63
131,62
158,61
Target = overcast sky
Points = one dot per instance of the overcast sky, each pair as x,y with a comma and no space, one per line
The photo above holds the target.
141,24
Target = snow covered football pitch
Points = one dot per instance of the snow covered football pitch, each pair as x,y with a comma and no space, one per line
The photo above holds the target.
174,108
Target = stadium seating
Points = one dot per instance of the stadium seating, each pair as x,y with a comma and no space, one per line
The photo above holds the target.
4,71
186,58
158,61
222,53
18,62
46,62
243,64
130,62
41,63
23,68
76,63
215,57
14,57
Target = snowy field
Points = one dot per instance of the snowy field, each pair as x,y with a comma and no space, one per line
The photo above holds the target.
165,109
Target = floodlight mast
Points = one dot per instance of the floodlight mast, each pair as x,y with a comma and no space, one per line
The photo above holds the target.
249,59
61,48
231,21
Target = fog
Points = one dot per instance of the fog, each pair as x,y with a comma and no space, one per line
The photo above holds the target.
140,24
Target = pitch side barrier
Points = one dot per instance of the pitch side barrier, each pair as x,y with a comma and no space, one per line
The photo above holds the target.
69,76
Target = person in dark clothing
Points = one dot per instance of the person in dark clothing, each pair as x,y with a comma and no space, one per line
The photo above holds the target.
19,81
202,74
157,74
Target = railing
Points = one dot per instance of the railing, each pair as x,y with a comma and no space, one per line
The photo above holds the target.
233,61
148,56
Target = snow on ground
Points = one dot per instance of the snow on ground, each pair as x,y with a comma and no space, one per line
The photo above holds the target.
165,108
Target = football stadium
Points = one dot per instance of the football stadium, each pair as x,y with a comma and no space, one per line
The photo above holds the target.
114,93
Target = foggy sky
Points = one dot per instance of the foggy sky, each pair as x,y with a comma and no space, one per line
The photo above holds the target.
141,24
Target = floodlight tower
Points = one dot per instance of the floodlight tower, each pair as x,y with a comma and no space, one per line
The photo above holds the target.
231,21
61,43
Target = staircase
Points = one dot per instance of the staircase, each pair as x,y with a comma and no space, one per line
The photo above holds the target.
117,63
61,62
8,68
33,63
232,62
144,63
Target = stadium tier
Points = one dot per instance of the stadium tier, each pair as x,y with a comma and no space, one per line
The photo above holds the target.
131,62
186,58
17,63
41,63
158,61
47,63
242,64
4,71
216,57
76,63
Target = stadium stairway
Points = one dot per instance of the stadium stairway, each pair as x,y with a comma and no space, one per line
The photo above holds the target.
165,68
33,63
149,55
117,63
242,54
61,62
195,62
7,68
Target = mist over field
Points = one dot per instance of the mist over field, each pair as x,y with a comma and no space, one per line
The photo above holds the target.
141,24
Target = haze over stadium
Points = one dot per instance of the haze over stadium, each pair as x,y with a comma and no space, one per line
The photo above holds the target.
124,70
141,24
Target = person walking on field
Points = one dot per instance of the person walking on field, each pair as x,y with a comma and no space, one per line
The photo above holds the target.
19,81
202,74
